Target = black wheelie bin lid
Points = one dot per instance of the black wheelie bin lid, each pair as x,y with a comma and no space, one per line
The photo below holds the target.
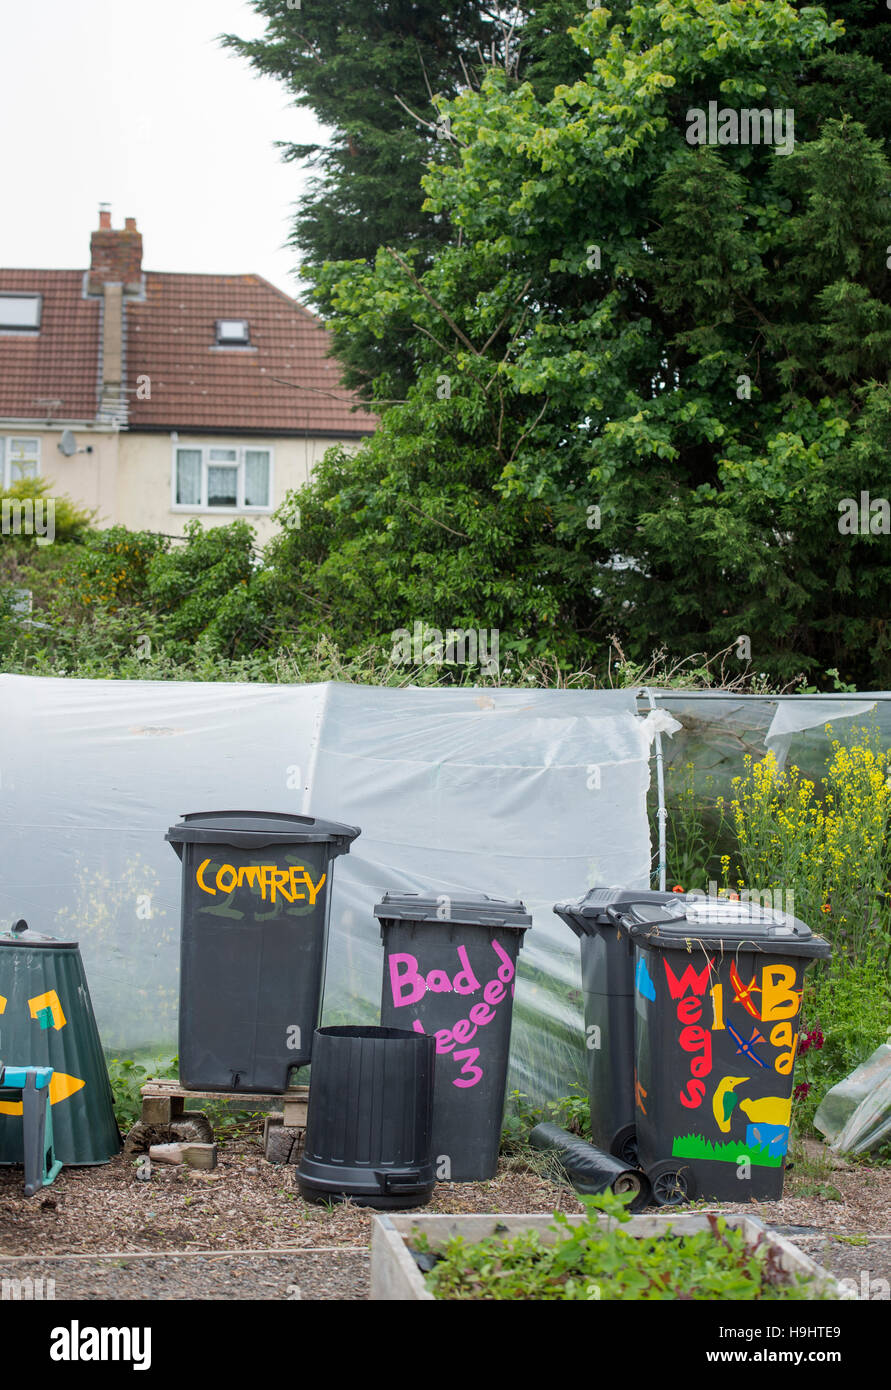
719,925
260,829
476,909
589,912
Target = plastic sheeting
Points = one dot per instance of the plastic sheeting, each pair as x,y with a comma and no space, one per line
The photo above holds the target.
535,795
856,1113
720,729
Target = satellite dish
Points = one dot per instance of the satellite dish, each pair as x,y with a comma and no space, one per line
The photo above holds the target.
68,443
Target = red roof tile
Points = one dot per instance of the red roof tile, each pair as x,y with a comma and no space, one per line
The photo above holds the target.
61,362
170,338
194,384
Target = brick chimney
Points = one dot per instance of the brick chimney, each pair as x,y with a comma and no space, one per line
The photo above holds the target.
115,256
115,271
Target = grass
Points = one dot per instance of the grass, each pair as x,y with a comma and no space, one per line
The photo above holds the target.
694,1146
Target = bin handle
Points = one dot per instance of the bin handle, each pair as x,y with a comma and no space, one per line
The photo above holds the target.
393,1182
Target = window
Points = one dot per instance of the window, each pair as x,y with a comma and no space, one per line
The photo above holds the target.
19,459
233,333
233,479
20,312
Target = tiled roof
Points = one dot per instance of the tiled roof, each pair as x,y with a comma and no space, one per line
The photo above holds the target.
60,363
196,385
170,338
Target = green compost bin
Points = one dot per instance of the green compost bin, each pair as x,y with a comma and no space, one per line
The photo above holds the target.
46,1020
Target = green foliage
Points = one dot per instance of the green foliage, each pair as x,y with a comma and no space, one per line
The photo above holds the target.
695,830
849,1004
545,382
573,1113
597,1259
69,521
127,1077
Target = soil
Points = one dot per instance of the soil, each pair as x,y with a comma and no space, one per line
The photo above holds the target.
244,1232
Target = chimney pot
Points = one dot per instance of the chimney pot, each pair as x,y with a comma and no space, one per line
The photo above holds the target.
115,256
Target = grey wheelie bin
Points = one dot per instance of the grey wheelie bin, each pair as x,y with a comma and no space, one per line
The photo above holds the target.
608,986
255,905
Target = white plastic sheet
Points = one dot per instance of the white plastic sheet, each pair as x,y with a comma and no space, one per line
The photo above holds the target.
537,795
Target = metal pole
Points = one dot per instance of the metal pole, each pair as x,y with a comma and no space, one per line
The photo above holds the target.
661,813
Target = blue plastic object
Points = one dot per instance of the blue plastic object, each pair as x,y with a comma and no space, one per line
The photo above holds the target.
30,1086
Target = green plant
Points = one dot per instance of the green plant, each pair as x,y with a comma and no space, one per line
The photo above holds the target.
127,1077
596,1259
519,1118
573,1112
695,828
847,1015
826,848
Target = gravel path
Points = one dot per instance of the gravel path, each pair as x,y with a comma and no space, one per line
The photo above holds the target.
328,1274
244,1232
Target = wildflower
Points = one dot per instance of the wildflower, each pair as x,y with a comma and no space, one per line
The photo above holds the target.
801,1090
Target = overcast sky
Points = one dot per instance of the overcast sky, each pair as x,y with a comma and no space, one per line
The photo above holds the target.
134,103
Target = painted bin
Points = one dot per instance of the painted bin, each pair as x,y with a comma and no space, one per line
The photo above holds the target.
255,911
449,969
717,1005
47,1020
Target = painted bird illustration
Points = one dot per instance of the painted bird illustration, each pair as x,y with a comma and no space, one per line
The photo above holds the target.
771,1110
725,1099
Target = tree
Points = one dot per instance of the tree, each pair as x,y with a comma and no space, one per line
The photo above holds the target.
646,372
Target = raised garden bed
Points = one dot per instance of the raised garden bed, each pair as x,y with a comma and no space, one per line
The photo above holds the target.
395,1274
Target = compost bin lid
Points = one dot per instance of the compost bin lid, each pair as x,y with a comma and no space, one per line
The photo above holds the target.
257,829
22,935
475,909
717,923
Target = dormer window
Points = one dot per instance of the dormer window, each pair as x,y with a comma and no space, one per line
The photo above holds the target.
233,333
20,313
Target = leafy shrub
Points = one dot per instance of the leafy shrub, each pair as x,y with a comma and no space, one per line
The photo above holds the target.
847,1015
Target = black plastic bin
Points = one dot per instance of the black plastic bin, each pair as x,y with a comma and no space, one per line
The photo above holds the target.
255,906
717,1003
608,985
449,969
368,1127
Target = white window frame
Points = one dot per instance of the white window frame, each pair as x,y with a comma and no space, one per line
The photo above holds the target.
6,480
28,328
220,341
204,507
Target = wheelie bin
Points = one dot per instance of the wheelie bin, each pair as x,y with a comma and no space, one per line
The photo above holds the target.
717,1003
608,985
255,906
449,970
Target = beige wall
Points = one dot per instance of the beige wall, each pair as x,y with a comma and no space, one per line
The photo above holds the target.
127,479
88,479
145,473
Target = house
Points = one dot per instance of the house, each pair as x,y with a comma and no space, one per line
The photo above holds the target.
157,398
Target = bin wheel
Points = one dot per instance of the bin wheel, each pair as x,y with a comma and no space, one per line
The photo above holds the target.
673,1183
624,1145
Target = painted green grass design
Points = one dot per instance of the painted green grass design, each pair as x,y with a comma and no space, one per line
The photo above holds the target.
695,1146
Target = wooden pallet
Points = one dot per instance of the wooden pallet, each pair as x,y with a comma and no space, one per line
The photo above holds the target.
164,1101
